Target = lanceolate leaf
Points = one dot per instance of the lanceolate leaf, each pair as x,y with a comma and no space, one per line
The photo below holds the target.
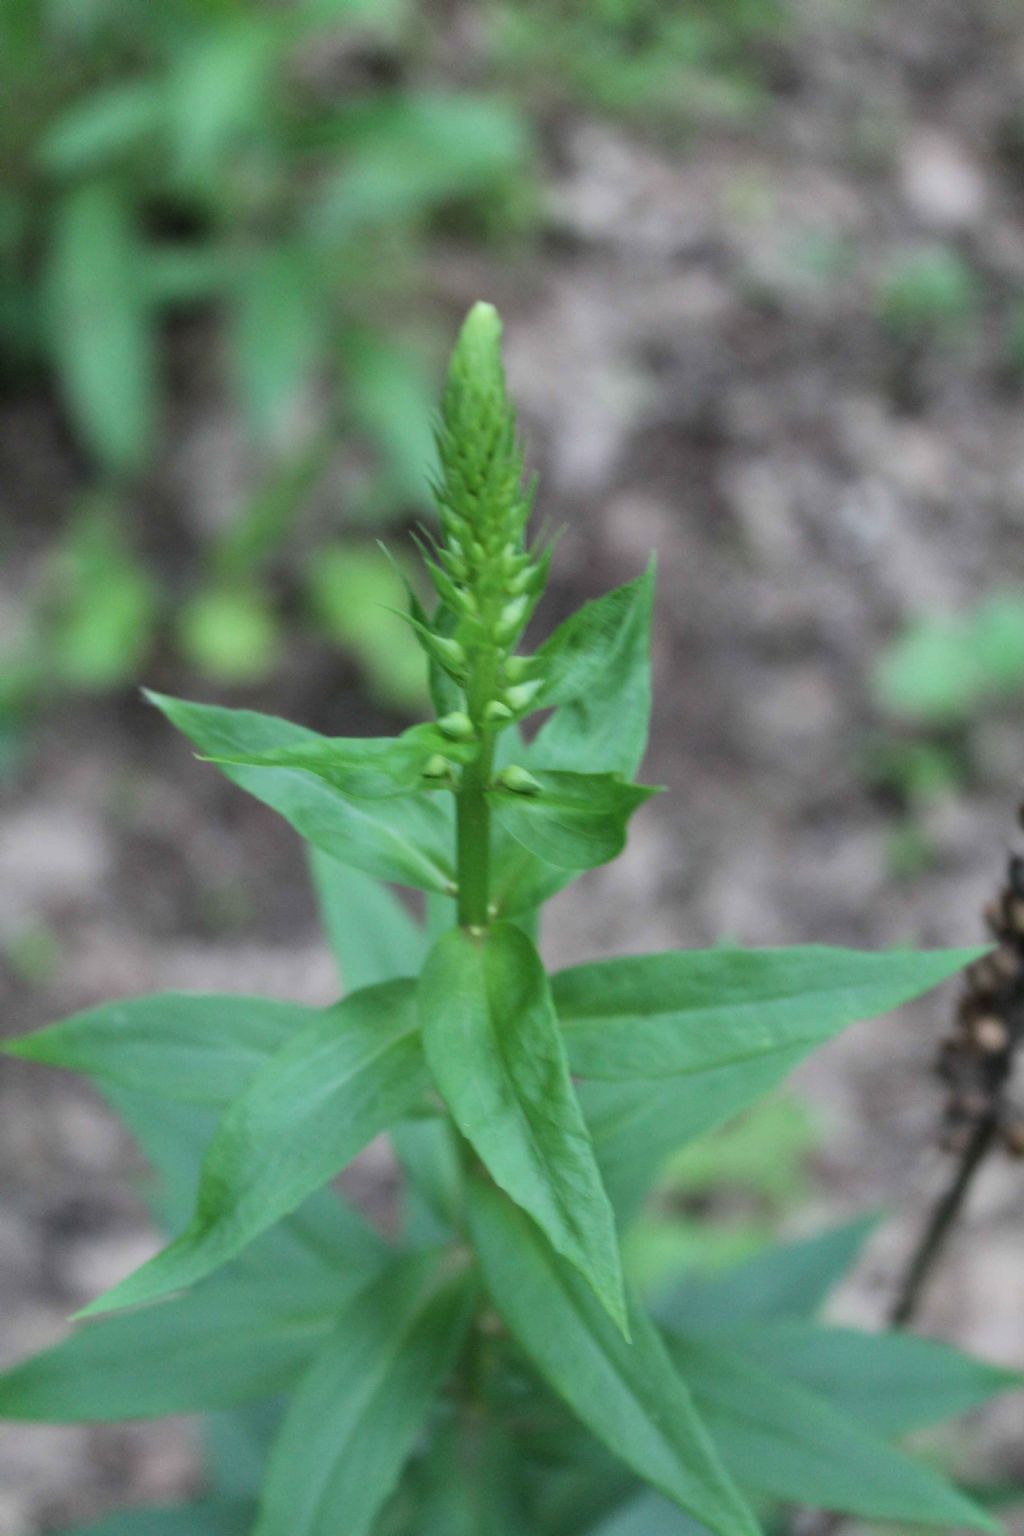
329,1091
101,325
574,820
373,937
362,768
408,839
597,667
780,1440
693,1013
197,1047
675,1063
890,1382
493,1045
357,1413
229,1340
786,1280
627,1394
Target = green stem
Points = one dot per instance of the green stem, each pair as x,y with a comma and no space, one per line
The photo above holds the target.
473,820
473,832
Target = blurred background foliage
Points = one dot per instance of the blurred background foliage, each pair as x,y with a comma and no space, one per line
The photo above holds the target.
273,171
277,175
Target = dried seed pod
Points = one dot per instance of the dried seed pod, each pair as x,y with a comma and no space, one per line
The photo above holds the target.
990,1034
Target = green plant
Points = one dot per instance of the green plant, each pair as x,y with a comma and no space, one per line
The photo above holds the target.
491,1369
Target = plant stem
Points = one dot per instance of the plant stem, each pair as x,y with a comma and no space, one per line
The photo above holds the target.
473,820
943,1215
473,833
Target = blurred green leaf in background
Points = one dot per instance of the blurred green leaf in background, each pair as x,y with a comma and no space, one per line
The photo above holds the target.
273,177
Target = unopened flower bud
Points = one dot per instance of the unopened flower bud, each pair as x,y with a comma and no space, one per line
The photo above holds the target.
457,726
497,713
518,781
522,695
519,668
437,768
447,653
512,619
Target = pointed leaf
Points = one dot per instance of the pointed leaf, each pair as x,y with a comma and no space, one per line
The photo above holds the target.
198,1047
357,1413
787,1443
361,768
693,1013
229,1340
372,935
492,1042
574,820
101,325
687,1039
316,1103
627,1394
786,1280
597,667
408,839
890,1382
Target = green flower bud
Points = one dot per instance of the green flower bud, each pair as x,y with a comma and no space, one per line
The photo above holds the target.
512,618
497,713
518,669
457,726
448,653
518,781
437,768
522,695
